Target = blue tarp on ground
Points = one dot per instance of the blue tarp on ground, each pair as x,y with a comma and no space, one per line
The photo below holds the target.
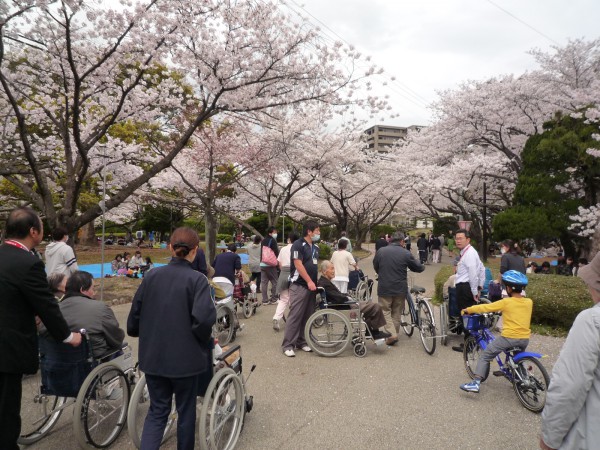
96,269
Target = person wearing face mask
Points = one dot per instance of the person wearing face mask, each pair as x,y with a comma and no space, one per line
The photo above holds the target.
511,257
268,267
304,271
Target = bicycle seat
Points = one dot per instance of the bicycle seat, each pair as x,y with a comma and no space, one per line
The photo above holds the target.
417,290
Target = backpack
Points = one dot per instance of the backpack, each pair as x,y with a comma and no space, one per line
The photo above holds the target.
494,291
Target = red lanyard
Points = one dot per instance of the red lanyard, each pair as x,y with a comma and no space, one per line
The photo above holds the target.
17,244
464,252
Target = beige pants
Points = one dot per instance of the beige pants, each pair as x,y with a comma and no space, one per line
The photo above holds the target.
392,310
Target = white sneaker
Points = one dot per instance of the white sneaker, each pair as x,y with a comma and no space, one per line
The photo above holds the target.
276,324
290,353
306,348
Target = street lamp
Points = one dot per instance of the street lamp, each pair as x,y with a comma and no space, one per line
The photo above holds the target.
103,207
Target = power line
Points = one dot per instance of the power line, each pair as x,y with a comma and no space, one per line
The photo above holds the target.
414,98
523,22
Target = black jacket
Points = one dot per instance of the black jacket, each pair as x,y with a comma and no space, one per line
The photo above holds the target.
381,242
24,293
226,264
332,293
173,313
512,261
391,263
422,244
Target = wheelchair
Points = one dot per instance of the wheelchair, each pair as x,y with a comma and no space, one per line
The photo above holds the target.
329,331
99,389
450,318
227,324
360,286
222,408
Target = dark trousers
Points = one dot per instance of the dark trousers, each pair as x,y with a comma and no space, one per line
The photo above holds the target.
256,276
268,275
302,305
464,299
422,256
161,390
464,296
10,410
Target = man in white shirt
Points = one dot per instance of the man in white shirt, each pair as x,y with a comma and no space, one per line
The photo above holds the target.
59,255
469,273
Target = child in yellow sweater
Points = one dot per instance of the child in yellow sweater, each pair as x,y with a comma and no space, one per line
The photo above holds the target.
516,314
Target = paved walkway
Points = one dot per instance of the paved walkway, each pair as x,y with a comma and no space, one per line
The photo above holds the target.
394,398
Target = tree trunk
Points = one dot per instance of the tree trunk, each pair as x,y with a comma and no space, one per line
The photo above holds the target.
210,230
87,234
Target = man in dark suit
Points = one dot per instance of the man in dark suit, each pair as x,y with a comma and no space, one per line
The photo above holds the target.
24,293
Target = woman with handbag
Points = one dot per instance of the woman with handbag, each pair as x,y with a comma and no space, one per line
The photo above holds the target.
268,266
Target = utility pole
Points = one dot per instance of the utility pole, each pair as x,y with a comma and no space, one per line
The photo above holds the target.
484,236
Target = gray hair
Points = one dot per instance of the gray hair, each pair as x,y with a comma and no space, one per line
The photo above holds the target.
325,265
397,236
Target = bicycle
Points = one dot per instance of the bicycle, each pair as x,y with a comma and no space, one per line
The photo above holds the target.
523,369
420,317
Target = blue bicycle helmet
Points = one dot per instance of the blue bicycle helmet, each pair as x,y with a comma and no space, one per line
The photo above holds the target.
514,278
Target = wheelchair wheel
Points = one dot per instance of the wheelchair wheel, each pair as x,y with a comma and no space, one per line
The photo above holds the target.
362,292
139,404
406,318
224,327
331,337
39,412
443,324
101,407
223,410
531,383
471,353
426,327
360,350
247,308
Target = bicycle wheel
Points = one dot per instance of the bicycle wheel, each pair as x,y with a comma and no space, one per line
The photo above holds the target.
426,327
139,404
406,318
224,326
39,412
247,308
101,407
443,325
332,337
531,383
223,410
471,354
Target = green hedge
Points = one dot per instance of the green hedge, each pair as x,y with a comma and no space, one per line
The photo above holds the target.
439,281
325,251
556,299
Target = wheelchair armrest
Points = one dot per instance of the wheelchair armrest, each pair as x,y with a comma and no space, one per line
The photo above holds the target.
229,352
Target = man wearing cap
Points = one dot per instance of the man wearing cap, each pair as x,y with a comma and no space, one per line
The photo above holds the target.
391,264
572,412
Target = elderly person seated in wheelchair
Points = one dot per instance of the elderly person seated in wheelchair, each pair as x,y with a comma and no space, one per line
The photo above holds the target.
371,312
80,310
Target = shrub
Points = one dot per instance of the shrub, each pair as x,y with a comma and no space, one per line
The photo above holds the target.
223,237
557,299
324,251
439,281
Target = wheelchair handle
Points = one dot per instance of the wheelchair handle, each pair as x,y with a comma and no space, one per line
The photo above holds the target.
83,331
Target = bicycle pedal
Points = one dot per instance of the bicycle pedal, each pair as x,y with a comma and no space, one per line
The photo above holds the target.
403,324
498,373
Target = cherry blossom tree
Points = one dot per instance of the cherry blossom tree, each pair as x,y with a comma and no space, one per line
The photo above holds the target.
89,88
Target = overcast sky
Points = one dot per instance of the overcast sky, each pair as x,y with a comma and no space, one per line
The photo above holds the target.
432,45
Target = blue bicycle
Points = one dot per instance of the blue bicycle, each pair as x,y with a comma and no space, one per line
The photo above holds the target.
523,369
